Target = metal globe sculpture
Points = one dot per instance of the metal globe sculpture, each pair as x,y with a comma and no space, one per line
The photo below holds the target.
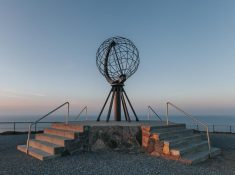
117,59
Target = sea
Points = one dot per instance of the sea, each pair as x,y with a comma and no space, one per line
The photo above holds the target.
215,123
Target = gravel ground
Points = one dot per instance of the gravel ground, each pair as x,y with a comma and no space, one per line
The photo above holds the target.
102,163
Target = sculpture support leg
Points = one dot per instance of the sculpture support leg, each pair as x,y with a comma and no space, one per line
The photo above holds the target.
98,119
119,101
136,118
110,107
125,109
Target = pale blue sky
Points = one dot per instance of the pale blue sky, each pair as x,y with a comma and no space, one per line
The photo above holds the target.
47,54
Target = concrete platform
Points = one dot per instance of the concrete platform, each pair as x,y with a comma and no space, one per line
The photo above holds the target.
172,141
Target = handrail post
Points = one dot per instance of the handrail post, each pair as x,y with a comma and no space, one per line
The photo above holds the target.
29,134
86,113
208,139
14,127
148,113
167,108
67,118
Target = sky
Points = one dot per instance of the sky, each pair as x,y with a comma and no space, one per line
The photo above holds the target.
48,54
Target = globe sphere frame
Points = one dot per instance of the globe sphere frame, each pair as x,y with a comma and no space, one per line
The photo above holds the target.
117,59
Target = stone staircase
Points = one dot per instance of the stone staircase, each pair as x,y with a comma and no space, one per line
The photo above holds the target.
55,141
176,142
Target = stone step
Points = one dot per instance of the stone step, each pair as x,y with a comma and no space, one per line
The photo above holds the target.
182,141
37,153
62,133
168,129
46,146
58,140
201,156
173,134
194,147
151,128
68,127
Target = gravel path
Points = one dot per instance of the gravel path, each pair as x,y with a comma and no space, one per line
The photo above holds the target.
111,163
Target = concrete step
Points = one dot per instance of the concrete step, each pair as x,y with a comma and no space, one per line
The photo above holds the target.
172,126
62,133
173,134
182,141
192,148
201,156
46,146
58,140
68,127
37,153
168,129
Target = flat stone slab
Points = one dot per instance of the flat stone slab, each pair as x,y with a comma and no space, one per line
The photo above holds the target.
121,123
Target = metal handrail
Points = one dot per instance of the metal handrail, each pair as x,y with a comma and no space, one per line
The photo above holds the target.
150,108
83,109
193,118
34,123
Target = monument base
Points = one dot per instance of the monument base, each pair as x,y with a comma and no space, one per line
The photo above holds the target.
102,136
173,141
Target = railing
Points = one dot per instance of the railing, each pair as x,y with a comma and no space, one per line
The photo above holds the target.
14,126
216,128
151,109
83,109
191,117
37,121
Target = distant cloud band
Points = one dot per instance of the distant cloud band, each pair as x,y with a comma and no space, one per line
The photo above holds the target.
17,94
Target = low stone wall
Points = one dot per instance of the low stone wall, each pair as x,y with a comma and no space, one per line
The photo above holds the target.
103,138
119,138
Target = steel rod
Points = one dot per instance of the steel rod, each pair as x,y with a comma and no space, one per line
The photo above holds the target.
98,119
154,113
118,61
125,108
83,109
110,108
130,105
